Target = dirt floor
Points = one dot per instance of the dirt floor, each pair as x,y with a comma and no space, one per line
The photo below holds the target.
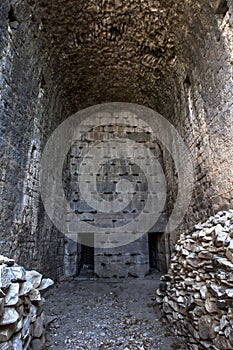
97,314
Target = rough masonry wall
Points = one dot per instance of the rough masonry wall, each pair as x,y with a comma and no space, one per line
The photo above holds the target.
27,107
132,259
203,114
59,57
180,63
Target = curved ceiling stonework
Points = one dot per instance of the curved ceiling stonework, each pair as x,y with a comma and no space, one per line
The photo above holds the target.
60,56
123,50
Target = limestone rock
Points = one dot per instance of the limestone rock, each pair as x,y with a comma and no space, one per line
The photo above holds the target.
220,235
18,274
34,277
221,342
45,283
201,275
204,327
25,288
6,261
203,291
17,342
22,318
7,346
229,292
229,251
2,303
19,325
10,316
26,326
38,327
34,312
211,306
12,296
35,295
5,280
222,304
223,263
216,290
6,332
223,322
37,344
231,336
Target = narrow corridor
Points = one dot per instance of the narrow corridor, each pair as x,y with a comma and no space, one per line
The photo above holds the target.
91,313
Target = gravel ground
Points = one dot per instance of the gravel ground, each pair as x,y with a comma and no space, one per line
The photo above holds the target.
89,313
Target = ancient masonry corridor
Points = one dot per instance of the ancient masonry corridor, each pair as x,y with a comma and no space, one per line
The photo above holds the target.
115,314
116,174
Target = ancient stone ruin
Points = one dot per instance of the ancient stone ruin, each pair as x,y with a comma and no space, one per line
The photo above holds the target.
60,58
22,318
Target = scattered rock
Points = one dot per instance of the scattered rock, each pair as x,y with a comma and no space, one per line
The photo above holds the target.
34,277
45,283
112,314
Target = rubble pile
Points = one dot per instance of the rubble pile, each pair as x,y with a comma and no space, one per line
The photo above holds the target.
22,317
196,295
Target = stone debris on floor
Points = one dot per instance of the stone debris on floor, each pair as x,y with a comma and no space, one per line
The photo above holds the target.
93,314
22,317
196,295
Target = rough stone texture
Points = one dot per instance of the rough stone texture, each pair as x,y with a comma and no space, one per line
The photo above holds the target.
132,259
27,110
61,56
196,295
125,316
129,260
22,319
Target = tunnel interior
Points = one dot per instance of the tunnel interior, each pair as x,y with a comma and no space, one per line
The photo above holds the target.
62,56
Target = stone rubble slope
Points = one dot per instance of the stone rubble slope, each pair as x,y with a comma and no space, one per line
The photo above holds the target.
196,295
22,318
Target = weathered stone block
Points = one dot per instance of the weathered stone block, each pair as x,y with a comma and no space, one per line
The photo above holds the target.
5,280
10,316
12,296
34,277
204,327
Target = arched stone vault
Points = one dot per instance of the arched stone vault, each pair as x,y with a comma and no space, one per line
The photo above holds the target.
106,49
61,56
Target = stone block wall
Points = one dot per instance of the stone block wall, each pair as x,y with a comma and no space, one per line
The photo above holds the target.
196,295
133,258
28,104
62,56
203,115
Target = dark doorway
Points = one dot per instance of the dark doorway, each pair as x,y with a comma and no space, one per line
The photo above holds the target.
87,257
157,252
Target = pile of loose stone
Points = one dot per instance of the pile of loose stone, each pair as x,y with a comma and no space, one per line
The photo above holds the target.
196,295
22,317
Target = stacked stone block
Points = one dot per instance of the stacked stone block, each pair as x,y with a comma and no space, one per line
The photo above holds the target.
196,295
22,318
59,57
132,259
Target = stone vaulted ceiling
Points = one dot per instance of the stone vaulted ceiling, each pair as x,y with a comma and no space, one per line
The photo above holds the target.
120,50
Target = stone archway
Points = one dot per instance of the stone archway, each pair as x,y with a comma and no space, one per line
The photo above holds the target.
61,57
